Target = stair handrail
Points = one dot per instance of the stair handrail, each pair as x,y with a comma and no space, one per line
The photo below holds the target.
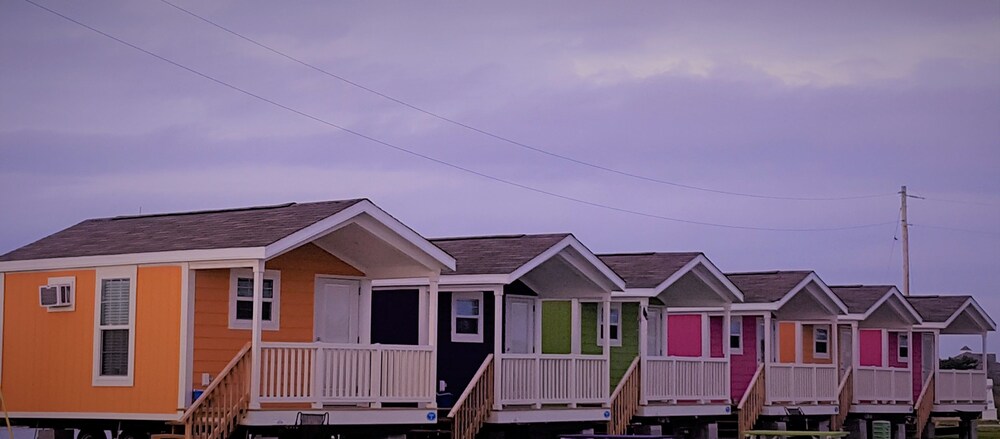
476,402
625,399
236,407
752,403
846,392
925,404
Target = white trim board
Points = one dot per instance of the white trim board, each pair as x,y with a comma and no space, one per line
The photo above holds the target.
616,282
734,293
99,415
839,309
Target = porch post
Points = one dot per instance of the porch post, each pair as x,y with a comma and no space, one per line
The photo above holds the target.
255,338
706,337
643,347
799,345
855,356
575,329
983,359
835,348
937,366
885,350
726,333
666,331
365,309
606,348
768,333
497,346
432,325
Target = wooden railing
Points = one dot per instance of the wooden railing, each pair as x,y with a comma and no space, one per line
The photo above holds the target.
537,379
625,399
925,405
752,403
218,411
846,392
677,379
960,386
802,383
883,385
325,373
473,407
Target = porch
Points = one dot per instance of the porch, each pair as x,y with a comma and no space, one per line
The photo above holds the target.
886,385
552,379
679,379
801,383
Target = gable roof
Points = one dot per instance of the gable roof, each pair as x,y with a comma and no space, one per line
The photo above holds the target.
200,230
647,270
252,233
937,309
860,298
767,286
496,254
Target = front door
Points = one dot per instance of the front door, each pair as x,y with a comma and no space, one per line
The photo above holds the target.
519,326
846,354
337,313
654,332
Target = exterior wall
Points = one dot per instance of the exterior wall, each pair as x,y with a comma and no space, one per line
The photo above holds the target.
621,356
786,342
743,365
870,347
458,362
396,317
557,327
48,356
717,334
684,335
215,344
917,354
807,347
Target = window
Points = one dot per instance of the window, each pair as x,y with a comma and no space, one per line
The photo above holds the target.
467,317
736,335
904,347
616,324
114,337
241,299
821,342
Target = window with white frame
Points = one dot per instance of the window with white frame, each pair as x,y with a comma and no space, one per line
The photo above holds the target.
615,326
821,342
241,299
736,335
114,335
903,354
467,317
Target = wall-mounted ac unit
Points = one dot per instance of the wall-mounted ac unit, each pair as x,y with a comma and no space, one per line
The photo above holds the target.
56,296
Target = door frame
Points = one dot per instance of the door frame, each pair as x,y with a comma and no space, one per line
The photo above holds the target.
531,322
357,333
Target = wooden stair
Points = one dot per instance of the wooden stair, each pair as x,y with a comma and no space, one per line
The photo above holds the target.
923,410
473,408
752,403
846,392
217,413
625,400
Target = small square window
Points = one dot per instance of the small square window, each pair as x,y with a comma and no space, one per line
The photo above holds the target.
821,342
736,335
904,347
467,317
241,299
615,329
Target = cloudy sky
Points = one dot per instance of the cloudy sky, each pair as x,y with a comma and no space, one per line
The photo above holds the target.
778,99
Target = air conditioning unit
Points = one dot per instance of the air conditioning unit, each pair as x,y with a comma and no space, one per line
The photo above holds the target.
56,296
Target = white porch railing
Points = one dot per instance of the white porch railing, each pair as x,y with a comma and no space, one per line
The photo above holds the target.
802,383
960,386
330,374
883,384
679,378
553,379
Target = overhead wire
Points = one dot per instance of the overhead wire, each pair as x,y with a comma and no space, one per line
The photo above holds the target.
503,138
434,159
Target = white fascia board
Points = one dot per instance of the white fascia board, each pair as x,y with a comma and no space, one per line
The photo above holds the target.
474,279
177,256
812,277
636,292
755,307
914,316
853,317
701,260
570,241
347,216
983,317
730,286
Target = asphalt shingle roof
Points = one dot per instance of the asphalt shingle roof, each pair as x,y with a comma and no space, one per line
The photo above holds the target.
495,254
766,287
212,229
937,309
859,298
647,270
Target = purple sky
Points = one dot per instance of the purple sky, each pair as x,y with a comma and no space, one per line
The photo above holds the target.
790,99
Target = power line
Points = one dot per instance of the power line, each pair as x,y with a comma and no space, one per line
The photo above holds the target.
975,203
436,160
505,139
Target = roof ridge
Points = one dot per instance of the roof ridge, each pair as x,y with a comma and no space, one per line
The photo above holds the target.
510,236
200,212
649,253
764,273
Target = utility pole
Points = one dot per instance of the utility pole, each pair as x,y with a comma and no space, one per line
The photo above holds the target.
906,242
